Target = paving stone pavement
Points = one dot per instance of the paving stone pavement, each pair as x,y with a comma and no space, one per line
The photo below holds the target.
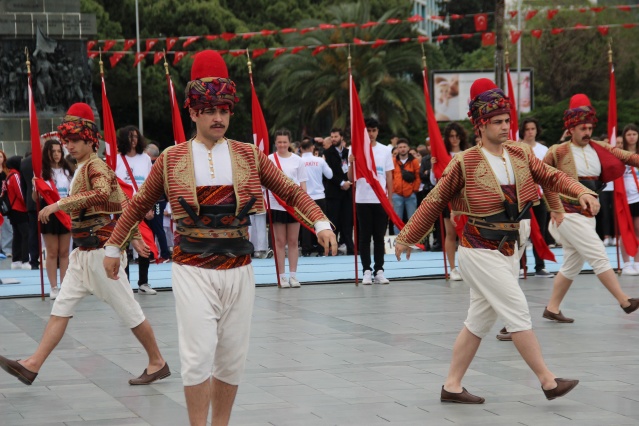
336,355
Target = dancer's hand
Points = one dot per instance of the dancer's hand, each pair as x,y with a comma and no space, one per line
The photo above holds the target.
453,218
401,248
111,267
141,247
44,214
589,203
326,239
556,218
149,215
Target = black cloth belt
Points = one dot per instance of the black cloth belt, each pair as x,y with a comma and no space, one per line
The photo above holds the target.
496,227
231,247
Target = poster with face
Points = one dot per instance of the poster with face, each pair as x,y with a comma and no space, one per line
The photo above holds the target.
451,92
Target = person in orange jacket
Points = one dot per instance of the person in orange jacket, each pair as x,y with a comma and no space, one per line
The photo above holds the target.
405,181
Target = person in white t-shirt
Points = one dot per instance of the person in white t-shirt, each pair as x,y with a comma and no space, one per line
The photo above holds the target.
630,136
131,145
56,172
286,229
371,216
316,169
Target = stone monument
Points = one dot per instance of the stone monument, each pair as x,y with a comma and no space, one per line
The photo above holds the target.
55,33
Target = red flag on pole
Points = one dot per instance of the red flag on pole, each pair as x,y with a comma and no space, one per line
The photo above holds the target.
514,124
624,218
363,153
176,117
109,128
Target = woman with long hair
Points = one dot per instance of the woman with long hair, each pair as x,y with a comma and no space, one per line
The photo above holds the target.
285,228
630,137
4,171
56,172
456,141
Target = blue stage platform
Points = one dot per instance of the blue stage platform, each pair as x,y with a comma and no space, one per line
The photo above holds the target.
316,270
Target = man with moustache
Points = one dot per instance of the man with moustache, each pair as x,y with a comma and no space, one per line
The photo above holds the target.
212,184
494,184
339,194
594,164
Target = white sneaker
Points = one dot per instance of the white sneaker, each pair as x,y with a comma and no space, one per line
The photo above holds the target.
146,289
16,265
284,283
26,266
367,279
455,275
341,249
54,293
613,242
606,241
380,278
629,270
294,283
522,274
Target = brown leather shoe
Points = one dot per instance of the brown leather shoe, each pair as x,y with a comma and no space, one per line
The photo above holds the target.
563,387
147,379
557,317
17,370
464,397
503,331
505,337
634,304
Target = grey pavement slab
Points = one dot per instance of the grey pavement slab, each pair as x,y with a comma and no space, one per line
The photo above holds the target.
336,355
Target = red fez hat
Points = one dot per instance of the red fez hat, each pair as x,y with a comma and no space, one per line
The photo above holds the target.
210,85
480,86
81,110
487,100
208,63
580,111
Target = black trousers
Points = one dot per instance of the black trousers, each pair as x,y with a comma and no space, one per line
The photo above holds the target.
20,243
605,217
541,214
309,240
156,225
143,270
34,248
340,213
372,222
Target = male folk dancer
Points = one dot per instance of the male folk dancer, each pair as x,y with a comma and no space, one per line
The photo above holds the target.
212,183
493,184
593,163
95,196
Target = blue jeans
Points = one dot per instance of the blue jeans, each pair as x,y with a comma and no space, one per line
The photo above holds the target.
400,203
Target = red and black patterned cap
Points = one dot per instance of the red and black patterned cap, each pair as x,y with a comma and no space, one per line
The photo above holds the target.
580,111
79,124
210,85
487,100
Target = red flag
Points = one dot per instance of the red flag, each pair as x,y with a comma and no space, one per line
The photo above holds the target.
536,33
624,218
539,242
108,44
318,49
455,16
414,19
297,49
93,55
115,58
512,14
91,43
128,43
138,58
378,43
50,195
170,42
109,129
597,9
551,13
279,51
190,40
150,43
260,131
580,26
422,39
36,150
178,57
481,22
176,118
227,36
487,39
623,8
259,52
266,33
556,31
530,14
467,36
628,25
145,231
514,125
212,37
326,26
514,36
358,41
393,21
363,152
437,147
369,24
442,37
157,56
603,30
289,30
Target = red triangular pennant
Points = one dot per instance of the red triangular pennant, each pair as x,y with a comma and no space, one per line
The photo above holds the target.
177,57
279,51
530,14
108,44
487,39
556,31
288,30
138,58
170,42
536,33
190,40
551,13
318,49
157,56
228,36
512,14
128,43
379,43
603,30
297,49
259,52
514,36
91,43
150,43
414,19
115,58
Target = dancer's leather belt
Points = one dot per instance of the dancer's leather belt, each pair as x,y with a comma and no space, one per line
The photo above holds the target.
231,247
84,232
496,230
593,184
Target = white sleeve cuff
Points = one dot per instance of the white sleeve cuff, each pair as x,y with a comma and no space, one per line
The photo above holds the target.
322,226
112,251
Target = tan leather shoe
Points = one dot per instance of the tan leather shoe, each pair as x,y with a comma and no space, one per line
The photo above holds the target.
559,317
17,370
563,387
147,379
464,397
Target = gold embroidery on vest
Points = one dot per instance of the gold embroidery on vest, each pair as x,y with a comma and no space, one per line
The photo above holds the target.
485,177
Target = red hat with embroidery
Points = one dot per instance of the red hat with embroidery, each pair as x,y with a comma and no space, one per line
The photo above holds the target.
487,100
210,85
79,124
580,111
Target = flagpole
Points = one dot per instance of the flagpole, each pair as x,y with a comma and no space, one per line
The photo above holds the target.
614,219
267,200
37,200
355,236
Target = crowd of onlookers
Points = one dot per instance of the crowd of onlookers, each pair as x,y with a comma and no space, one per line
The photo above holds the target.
322,166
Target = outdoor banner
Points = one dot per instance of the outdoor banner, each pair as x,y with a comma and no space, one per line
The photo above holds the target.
450,91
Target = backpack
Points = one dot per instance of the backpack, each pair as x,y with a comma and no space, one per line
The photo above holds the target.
5,203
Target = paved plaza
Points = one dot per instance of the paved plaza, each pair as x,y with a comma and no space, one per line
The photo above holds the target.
334,354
